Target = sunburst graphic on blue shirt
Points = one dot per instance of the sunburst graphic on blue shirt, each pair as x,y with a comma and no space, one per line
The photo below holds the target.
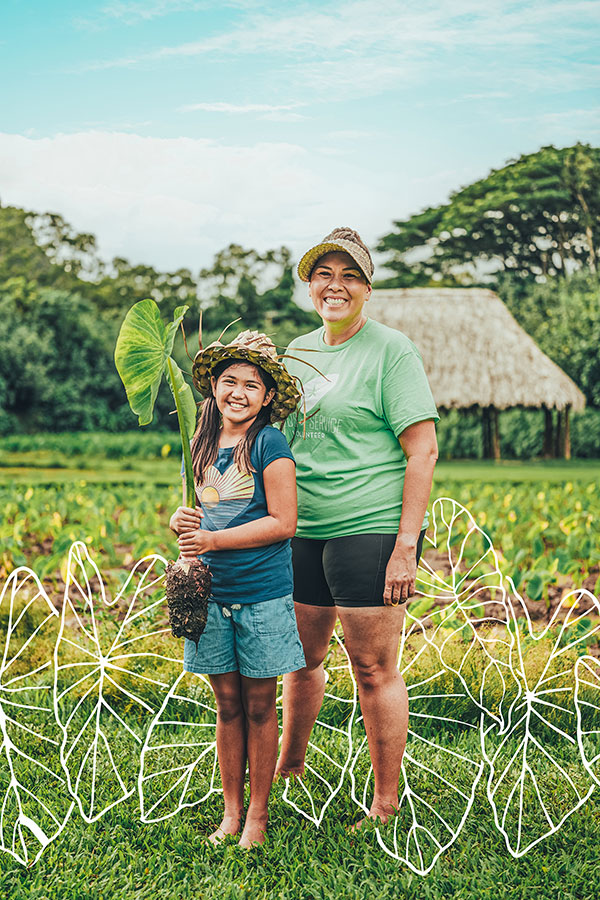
223,496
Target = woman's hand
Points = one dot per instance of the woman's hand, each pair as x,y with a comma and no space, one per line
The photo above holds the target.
185,519
401,572
195,543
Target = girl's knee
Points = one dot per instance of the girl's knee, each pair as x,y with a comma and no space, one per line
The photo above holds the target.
229,707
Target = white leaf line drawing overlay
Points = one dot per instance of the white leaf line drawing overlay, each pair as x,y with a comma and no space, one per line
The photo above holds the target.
587,690
102,688
178,766
542,728
35,805
330,748
464,627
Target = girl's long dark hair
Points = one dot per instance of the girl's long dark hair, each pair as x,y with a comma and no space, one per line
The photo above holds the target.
205,443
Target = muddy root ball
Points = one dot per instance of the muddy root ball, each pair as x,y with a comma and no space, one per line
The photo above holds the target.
187,589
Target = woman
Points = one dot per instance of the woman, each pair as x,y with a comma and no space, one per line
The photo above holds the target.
364,473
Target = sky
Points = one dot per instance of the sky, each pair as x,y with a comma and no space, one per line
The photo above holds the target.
172,128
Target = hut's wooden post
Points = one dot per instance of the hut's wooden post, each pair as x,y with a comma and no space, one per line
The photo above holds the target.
558,434
566,434
486,432
495,429
547,451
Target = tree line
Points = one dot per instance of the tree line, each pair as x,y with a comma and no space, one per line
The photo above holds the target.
530,230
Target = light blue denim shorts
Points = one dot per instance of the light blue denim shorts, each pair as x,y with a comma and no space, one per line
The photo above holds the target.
259,640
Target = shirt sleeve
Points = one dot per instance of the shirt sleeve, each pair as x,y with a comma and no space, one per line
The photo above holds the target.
273,446
405,393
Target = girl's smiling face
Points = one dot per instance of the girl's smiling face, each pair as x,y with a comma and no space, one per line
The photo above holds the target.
338,289
240,393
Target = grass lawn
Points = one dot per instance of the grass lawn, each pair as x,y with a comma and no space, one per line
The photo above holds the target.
118,857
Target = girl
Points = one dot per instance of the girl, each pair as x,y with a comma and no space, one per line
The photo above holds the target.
245,482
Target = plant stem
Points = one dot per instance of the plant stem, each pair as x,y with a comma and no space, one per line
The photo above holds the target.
190,492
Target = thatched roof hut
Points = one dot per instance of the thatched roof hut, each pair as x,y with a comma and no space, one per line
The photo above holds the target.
477,355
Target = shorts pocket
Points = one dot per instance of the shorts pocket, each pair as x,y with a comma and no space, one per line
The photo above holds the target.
274,616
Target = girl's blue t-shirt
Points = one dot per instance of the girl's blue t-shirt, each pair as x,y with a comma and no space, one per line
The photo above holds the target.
230,497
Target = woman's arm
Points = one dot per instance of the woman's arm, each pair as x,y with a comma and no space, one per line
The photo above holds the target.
419,444
280,488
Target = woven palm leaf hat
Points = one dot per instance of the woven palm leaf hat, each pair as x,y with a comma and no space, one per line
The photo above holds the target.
258,350
344,239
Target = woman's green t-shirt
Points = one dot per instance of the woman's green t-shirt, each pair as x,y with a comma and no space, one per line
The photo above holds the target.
350,465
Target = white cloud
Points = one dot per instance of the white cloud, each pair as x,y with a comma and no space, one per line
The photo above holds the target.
132,12
387,28
176,202
235,108
563,126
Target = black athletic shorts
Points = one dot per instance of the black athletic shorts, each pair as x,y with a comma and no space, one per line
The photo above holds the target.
344,571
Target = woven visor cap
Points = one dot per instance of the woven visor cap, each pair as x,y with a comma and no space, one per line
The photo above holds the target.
345,239
258,350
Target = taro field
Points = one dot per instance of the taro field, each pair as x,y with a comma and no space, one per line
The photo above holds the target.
546,534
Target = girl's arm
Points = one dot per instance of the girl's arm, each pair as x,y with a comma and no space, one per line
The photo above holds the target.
279,479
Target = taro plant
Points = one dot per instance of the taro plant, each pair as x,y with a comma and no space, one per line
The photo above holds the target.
143,357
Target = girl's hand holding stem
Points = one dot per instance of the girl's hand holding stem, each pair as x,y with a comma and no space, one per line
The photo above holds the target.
194,543
185,519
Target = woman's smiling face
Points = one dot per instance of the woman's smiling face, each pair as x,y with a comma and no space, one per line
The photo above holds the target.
338,290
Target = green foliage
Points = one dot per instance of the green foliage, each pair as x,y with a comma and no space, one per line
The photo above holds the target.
256,288
459,434
563,317
61,306
537,217
55,367
127,445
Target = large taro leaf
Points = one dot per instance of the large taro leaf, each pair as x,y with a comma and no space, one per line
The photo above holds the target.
537,777
143,346
587,704
330,748
179,758
34,802
442,765
467,616
114,662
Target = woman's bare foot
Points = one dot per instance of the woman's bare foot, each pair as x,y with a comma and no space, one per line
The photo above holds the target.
378,815
229,825
255,831
285,769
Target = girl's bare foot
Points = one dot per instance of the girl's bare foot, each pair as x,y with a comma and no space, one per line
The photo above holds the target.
255,831
229,825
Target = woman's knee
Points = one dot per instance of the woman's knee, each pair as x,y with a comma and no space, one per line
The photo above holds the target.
372,675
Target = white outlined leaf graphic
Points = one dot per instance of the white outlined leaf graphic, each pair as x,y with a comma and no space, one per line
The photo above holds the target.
178,766
440,769
537,777
35,804
472,629
587,704
330,747
105,690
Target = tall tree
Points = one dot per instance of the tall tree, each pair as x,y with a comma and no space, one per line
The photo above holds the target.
537,217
